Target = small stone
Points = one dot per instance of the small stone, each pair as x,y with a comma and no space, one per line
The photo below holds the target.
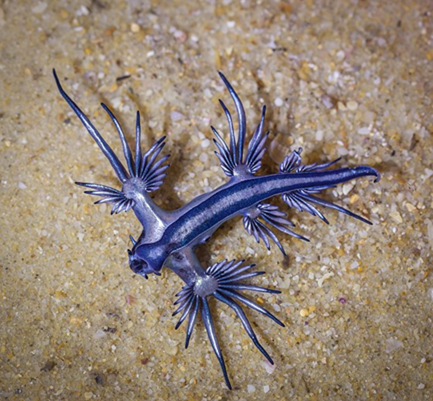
328,101
396,216
353,199
180,36
83,11
347,188
208,93
99,334
278,102
340,55
421,386
135,28
203,157
251,388
176,116
410,208
88,395
250,250
205,143
364,131
303,312
352,105
326,276
341,106
265,389
428,173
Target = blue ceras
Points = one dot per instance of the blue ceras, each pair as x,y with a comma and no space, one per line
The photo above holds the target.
170,237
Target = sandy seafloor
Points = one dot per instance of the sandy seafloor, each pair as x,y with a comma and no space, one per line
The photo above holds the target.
350,79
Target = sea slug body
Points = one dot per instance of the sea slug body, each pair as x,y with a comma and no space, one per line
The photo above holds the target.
169,238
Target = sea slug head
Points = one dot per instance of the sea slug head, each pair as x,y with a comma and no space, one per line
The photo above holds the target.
146,259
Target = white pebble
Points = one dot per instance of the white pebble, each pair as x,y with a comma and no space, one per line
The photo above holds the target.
251,388
83,11
265,389
205,143
176,116
326,276
364,131
135,27
428,174
99,334
340,55
352,105
347,188
327,101
21,185
203,157
342,151
278,102
180,36
207,92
